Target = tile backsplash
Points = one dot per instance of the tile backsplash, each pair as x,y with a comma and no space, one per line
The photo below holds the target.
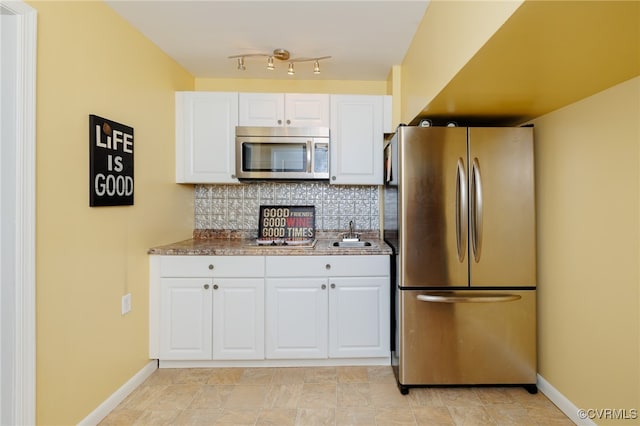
236,207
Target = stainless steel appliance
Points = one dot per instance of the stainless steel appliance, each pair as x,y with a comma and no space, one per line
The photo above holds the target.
459,213
282,153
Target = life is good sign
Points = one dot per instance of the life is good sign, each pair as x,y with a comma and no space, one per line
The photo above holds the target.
110,163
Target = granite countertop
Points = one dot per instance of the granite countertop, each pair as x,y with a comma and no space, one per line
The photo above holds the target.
232,243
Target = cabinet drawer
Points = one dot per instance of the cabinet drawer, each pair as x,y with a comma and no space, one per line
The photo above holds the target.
212,266
326,266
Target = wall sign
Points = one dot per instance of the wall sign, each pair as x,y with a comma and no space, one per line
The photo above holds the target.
289,223
110,163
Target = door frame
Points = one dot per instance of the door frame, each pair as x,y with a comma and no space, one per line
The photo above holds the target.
23,350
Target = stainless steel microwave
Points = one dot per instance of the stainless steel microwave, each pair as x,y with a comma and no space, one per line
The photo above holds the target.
282,153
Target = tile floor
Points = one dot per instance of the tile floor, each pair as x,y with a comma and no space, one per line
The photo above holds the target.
320,396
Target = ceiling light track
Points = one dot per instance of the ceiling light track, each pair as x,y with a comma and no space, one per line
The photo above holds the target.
281,55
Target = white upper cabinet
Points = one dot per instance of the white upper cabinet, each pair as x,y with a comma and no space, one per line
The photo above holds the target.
205,137
206,124
358,123
287,110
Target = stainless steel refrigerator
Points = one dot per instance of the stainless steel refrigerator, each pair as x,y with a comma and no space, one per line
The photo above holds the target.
459,213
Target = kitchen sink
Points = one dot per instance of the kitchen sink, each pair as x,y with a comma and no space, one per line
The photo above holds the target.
351,244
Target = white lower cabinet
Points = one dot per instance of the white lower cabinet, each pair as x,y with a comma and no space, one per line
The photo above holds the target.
238,319
359,317
296,318
185,321
208,317
229,309
342,312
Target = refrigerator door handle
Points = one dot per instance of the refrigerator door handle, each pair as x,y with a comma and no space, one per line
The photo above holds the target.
476,210
461,210
476,298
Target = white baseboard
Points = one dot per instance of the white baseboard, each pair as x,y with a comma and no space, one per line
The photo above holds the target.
563,403
97,415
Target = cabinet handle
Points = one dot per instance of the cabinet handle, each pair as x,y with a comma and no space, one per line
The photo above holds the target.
279,121
333,285
288,121
233,176
206,286
215,286
210,266
327,266
324,286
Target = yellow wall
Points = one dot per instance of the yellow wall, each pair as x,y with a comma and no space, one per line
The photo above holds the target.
90,61
394,88
588,210
450,33
292,86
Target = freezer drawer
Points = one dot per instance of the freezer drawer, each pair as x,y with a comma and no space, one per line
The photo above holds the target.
468,337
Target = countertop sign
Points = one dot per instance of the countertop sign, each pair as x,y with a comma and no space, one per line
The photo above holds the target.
289,223
111,163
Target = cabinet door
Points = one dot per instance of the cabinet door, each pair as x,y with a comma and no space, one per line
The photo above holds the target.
306,110
205,137
261,109
356,139
359,317
185,318
238,318
296,318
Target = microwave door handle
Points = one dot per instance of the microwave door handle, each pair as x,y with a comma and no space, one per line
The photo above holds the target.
309,148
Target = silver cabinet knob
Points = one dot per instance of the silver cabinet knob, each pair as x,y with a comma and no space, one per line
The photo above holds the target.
333,178
324,286
279,121
233,176
288,121
206,286
210,266
327,266
215,286
333,285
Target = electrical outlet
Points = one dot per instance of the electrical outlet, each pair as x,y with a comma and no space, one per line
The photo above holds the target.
126,303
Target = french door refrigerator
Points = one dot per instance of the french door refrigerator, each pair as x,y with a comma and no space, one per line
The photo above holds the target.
459,213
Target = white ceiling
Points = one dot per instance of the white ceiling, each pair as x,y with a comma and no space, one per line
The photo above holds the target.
364,38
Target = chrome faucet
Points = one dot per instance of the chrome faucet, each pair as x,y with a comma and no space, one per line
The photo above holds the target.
351,235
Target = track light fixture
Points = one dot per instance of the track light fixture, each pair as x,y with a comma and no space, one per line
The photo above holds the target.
281,55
